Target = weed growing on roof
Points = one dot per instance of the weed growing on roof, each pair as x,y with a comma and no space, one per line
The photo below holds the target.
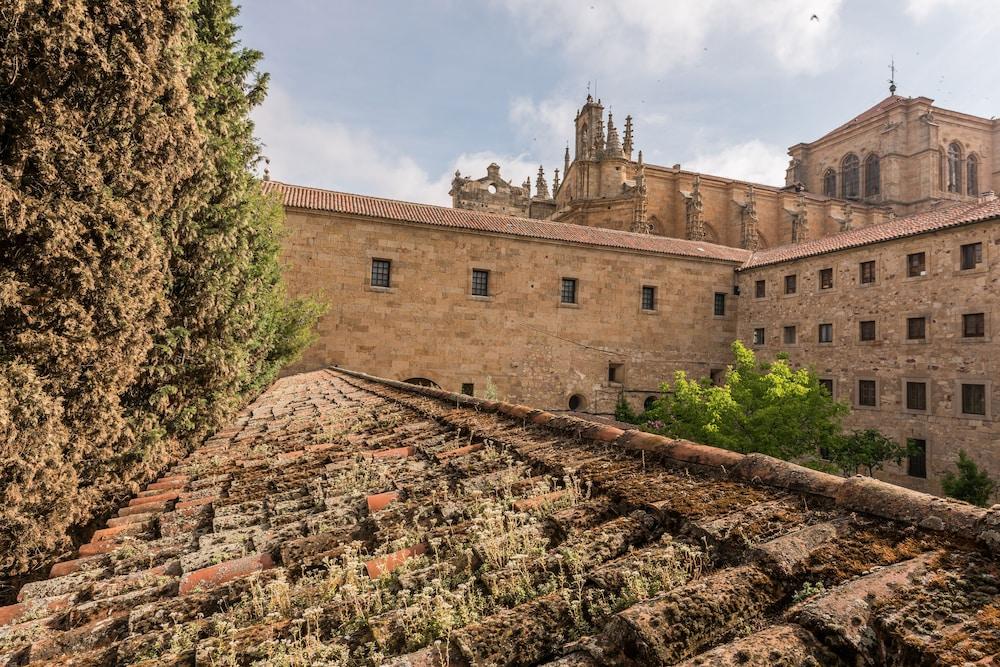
809,589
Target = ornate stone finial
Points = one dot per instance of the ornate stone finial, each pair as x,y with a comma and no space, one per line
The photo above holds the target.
555,183
458,174
541,187
845,224
639,223
640,158
750,239
599,139
627,145
695,218
527,186
267,169
800,221
566,160
614,145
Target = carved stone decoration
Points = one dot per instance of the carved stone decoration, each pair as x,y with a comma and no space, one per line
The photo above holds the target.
639,223
555,183
541,187
800,221
749,235
845,224
695,227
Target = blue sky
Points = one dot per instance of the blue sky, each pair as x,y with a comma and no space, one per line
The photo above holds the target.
389,98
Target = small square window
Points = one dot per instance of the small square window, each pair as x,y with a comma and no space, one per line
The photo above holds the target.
867,272
826,333
789,335
826,278
827,384
974,399
916,396
717,377
480,282
866,393
720,304
760,289
791,284
916,264
867,330
974,325
758,336
469,389
916,459
916,328
648,297
972,255
614,372
380,273
567,293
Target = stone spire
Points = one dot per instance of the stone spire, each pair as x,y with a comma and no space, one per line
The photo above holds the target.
599,139
555,183
750,239
695,218
541,187
527,186
639,222
267,169
566,160
614,146
800,221
627,146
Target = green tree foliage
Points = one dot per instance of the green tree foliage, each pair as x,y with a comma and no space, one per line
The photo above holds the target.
624,411
866,450
971,484
139,288
763,407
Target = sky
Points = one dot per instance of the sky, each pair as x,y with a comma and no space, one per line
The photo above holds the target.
389,98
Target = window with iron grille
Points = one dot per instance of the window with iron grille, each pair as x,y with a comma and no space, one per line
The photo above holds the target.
826,333
916,396
760,289
469,389
827,384
568,292
480,282
867,330
758,336
648,297
916,328
826,278
850,169
916,459
866,393
867,272
380,272
974,325
916,264
789,335
720,304
972,255
974,399
791,284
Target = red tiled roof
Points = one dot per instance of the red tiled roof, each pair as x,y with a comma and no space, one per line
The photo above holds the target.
919,223
315,199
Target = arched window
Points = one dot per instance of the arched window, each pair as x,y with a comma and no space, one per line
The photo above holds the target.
850,176
830,183
954,168
873,179
972,176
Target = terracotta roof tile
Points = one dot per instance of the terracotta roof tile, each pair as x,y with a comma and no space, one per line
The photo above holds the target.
315,199
919,223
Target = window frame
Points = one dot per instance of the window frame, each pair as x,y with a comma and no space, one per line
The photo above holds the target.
792,280
830,183
905,390
468,388
651,290
910,467
861,331
972,175
484,283
923,272
873,176
961,383
861,272
716,301
953,174
760,288
857,394
850,177
819,279
763,337
982,326
977,256
785,330
376,263
925,331
575,283
819,334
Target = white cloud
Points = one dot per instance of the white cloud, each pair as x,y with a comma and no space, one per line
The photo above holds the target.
545,126
752,161
652,36
318,153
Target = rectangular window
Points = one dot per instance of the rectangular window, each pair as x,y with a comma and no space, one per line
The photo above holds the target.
916,460
916,264
720,304
789,335
758,336
760,289
827,384
972,255
791,284
866,393
468,389
973,325
826,333
648,297
867,330
826,278
480,282
974,399
916,396
614,372
568,292
380,273
916,328
867,272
